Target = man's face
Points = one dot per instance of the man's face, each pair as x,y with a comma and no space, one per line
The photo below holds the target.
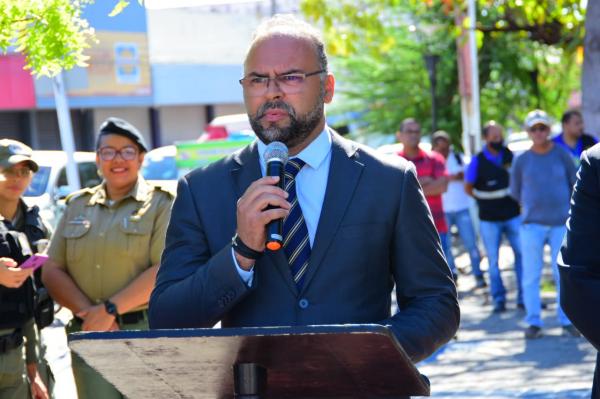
278,115
442,146
410,136
574,127
539,133
494,135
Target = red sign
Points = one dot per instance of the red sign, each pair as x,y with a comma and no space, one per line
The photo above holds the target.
16,84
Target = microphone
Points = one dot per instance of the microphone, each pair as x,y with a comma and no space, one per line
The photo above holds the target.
276,156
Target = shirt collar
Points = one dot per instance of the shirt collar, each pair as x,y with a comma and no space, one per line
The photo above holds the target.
314,154
487,152
421,155
139,192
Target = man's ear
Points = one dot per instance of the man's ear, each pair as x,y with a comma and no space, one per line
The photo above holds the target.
329,88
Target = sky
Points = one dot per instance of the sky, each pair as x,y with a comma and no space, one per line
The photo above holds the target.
157,4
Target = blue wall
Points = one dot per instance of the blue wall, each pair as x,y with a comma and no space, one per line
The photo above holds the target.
179,84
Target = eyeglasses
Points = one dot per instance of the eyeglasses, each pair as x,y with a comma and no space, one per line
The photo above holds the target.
289,83
110,153
538,128
16,172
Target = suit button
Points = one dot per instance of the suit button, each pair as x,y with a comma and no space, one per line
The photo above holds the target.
303,303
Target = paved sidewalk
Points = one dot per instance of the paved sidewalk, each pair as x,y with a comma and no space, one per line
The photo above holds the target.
491,359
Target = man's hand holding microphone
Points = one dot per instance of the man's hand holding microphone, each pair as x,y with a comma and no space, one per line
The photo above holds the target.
261,210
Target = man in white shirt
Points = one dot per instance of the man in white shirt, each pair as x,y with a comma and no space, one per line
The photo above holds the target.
456,206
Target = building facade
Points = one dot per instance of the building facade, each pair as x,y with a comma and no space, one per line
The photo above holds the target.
169,71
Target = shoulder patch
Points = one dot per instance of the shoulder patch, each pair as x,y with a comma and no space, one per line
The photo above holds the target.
78,193
170,191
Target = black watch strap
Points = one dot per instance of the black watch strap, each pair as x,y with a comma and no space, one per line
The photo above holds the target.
111,308
244,250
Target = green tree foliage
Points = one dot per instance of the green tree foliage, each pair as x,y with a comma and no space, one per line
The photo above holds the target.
527,57
51,33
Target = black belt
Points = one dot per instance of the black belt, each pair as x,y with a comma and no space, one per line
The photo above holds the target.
11,341
126,318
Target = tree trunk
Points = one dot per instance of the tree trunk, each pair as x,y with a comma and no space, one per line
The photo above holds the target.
590,82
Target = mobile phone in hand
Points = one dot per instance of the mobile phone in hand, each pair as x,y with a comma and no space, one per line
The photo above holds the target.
34,262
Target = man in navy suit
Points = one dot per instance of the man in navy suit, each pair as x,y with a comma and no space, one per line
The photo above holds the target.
579,259
361,223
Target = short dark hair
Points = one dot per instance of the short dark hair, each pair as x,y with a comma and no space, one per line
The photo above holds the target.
487,126
569,114
406,122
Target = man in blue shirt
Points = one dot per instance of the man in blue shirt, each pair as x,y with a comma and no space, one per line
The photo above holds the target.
572,138
487,180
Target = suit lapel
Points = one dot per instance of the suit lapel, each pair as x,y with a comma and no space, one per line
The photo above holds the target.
344,174
246,170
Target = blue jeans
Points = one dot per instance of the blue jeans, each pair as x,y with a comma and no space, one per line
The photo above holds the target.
533,238
444,239
491,234
464,225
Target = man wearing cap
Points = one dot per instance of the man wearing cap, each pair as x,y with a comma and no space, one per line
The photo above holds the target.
21,229
105,252
456,204
542,179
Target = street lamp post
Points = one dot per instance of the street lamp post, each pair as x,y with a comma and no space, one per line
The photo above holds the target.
431,61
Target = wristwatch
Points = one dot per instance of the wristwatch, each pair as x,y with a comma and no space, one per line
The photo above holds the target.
111,308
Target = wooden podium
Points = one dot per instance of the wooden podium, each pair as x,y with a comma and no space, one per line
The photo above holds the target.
337,361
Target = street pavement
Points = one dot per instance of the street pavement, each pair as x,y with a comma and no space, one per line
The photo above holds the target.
488,359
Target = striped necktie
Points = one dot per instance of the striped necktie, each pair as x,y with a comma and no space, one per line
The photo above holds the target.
296,244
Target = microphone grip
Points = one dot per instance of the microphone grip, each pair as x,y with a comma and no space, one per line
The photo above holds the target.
275,227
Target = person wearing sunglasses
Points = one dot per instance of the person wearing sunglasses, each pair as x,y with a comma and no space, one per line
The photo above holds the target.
23,370
107,246
541,181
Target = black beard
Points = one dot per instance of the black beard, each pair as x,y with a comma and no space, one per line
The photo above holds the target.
497,145
294,134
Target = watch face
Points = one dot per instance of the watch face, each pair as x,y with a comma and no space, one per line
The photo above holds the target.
110,308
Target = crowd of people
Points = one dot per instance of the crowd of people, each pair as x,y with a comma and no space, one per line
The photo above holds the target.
524,198
127,255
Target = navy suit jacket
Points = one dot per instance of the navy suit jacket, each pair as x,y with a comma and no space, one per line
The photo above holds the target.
580,264
375,230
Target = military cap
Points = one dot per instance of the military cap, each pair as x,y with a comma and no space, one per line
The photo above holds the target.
122,128
13,152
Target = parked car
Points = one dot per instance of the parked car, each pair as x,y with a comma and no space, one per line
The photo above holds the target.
159,167
49,186
230,127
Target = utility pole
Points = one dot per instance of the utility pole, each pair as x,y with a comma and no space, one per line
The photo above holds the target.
468,70
66,131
